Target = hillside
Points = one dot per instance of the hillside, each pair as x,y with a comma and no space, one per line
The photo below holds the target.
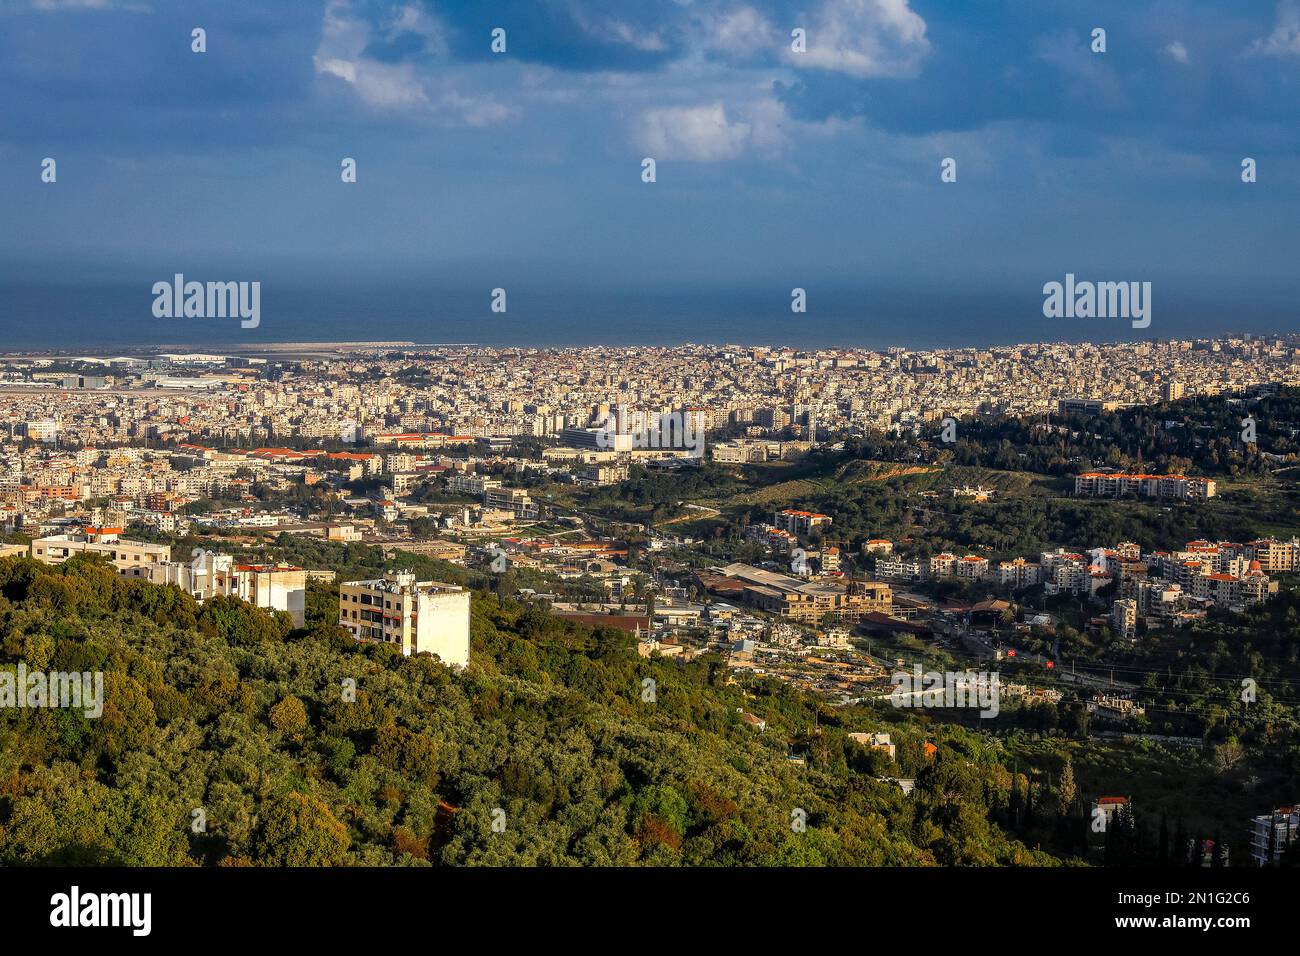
226,715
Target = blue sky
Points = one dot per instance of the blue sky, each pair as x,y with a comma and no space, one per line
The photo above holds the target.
810,168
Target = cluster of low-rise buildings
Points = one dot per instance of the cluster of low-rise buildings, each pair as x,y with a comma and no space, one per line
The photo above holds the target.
277,587
414,616
809,601
1171,586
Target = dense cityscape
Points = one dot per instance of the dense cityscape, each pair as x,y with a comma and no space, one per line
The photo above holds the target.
271,475
486,455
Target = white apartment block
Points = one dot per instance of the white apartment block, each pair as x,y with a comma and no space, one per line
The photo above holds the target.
1227,590
1160,599
416,616
275,587
800,522
1273,555
1018,573
58,548
1178,487
770,537
1124,617
1065,571
971,567
941,565
471,484
1271,834
896,569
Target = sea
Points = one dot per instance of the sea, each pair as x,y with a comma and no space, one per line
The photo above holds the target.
86,316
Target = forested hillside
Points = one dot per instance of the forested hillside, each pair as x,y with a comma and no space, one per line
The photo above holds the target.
224,715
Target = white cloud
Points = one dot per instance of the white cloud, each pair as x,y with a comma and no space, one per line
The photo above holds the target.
741,33
864,38
70,4
475,110
754,122
1285,38
1176,51
697,133
610,30
396,86
131,6
381,85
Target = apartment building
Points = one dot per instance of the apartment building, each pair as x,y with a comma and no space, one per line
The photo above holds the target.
769,537
971,567
57,548
275,587
942,565
1228,590
416,616
1161,600
596,439
896,569
1273,555
42,430
1114,485
471,484
515,500
1272,834
1017,573
1124,617
800,522
496,497
1065,571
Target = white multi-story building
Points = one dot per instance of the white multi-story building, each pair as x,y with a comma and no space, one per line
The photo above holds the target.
1112,485
800,522
1271,834
896,569
1065,571
1018,573
1124,616
275,587
417,616
941,565
42,430
57,548
1273,555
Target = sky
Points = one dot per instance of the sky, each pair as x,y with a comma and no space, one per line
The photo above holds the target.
817,168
